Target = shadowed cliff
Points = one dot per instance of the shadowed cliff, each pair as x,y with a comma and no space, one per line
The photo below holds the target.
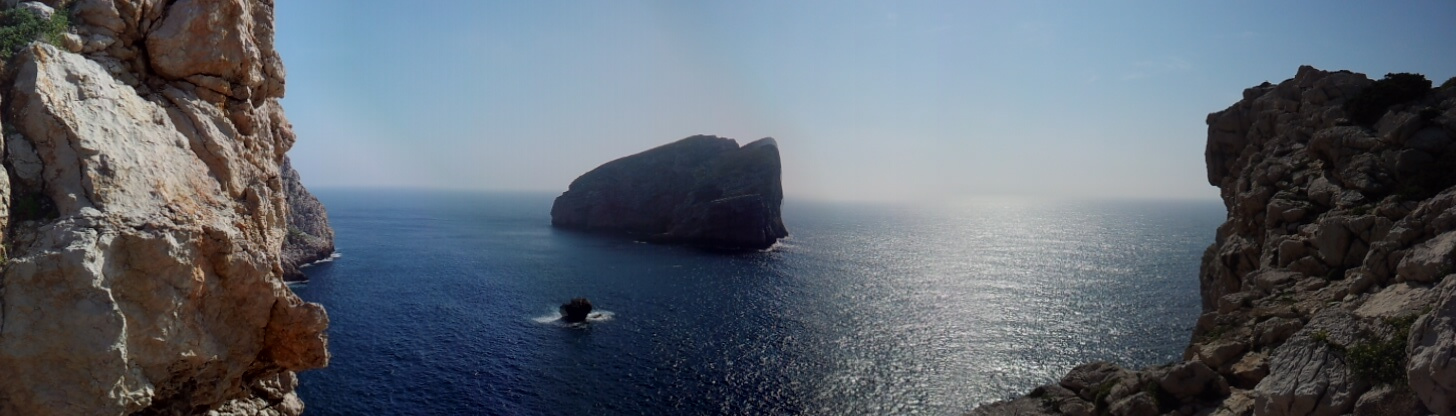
703,191
1330,288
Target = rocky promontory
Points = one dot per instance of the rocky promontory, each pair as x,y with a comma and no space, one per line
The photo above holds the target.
310,238
703,191
1331,287
144,212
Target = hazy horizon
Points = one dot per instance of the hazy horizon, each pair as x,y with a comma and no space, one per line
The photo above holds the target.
878,101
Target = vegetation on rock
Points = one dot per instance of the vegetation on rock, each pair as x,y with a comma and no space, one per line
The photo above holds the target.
20,27
1370,104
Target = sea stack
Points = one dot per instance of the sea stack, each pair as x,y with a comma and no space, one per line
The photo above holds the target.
703,191
1330,289
576,311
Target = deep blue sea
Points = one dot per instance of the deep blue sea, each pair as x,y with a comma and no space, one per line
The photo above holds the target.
441,304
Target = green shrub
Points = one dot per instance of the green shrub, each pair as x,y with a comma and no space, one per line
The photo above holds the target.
1450,83
1382,360
19,27
1370,104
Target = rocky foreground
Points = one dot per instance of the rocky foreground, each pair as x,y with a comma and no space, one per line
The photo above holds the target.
1330,288
144,212
703,191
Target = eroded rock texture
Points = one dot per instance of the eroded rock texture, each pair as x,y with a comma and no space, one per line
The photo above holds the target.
1329,288
147,215
702,190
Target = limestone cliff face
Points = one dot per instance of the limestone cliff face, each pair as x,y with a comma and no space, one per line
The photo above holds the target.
702,190
1329,289
146,215
310,238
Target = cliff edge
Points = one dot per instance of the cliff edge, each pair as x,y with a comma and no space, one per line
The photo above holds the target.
1329,290
702,190
145,212
310,238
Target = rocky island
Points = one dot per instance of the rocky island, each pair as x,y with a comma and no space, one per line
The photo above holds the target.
145,206
1329,289
703,191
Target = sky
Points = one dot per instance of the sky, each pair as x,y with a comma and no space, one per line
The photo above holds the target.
868,100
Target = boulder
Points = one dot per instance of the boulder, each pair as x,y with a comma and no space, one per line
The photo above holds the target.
1308,374
702,190
576,311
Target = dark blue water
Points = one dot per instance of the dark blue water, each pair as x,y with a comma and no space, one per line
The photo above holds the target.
440,304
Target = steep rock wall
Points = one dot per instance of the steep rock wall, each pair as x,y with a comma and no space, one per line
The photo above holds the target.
310,238
1329,288
144,268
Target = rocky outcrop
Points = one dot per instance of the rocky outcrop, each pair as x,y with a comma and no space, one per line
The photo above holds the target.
145,215
703,190
576,311
310,238
1328,290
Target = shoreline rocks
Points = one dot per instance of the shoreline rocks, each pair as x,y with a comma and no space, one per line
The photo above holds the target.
1328,288
310,238
703,191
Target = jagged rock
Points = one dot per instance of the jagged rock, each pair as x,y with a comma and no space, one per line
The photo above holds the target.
1395,301
1429,260
702,190
1087,380
1431,369
576,311
1388,400
1191,380
1308,374
1221,352
40,9
143,272
1336,229
1250,370
1140,404
1275,331
310,238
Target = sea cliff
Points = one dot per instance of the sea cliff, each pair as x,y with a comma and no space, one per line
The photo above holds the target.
702,190
145,213
1329,288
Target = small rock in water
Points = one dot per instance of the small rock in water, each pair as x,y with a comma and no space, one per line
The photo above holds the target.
576,310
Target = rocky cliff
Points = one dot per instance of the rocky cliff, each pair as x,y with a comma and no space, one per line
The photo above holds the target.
310,238
145,212
1329,289
702,190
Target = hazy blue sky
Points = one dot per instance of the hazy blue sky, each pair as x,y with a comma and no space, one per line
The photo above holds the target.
869,100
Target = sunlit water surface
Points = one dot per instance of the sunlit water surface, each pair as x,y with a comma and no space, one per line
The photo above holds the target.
442,302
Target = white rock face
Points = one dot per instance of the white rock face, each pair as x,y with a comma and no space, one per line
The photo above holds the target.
144,271
1432,353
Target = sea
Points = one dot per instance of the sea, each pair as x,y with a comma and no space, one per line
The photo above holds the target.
444,303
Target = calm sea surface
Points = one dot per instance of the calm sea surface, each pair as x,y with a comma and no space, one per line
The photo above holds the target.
442,304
